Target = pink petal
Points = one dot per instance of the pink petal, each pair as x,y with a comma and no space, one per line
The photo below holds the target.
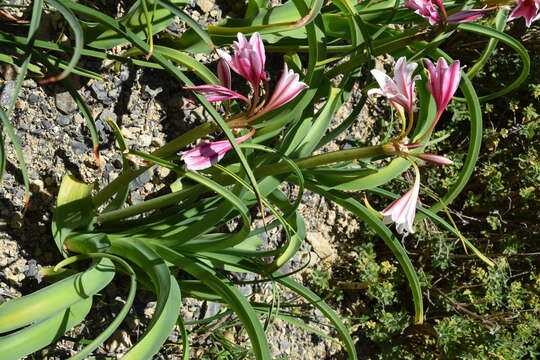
214,93
287,87
224,73
209,153
466,16
403,210
401,89
528,9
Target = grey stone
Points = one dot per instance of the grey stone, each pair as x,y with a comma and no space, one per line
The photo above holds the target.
78,147
101,92
107,114
114,93
29,83
33,99
140,180
321,245
65,102
152,92
64,120
213,308
7,93
145,140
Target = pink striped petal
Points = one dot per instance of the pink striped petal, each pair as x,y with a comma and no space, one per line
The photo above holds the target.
401,89
287,87
425,9
209,153
214,93
443,81
528,9
248,59
403,210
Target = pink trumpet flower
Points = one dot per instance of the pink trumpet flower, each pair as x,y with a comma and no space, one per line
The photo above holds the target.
248,59
528,9
401,89
428,10
286,89
443,82
425,9
209,153
403,210
214,93
434,158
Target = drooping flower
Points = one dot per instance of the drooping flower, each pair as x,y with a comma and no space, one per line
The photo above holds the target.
401,89
528,9
248,59
443,82
214,93
425,9
209,153
286,89
403,210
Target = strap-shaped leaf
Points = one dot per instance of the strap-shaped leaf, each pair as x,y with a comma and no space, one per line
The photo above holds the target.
167,292
32,338
54,298
73,210
229,294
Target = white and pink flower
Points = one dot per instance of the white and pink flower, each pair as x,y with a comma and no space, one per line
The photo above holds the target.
401,89
248,58
434,158
424,8
287,87
434,12
403,210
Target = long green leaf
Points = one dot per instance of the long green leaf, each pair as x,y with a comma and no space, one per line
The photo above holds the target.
230,294
32,338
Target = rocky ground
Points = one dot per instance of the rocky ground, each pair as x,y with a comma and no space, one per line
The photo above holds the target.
150,110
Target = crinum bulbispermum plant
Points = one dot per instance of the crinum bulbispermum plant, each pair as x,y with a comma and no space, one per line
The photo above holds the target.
194,239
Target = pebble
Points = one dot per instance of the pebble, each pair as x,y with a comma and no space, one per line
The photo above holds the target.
7,93
78,147
33,99
145,140
30,83
213,308
65,102
205,5
64,120
321,245
140,180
